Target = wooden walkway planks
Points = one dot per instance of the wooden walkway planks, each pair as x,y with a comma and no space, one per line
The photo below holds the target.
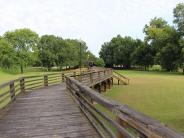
46,113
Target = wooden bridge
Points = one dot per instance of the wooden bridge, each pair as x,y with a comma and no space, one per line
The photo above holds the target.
67,105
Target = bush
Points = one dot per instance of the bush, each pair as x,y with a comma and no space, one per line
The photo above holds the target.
155,68
100,62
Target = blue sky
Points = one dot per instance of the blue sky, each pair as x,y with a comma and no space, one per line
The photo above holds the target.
94,21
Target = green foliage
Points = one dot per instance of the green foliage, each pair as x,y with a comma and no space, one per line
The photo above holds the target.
46,47
143,56
76,52
7,54
23,48
164,40
169,57
107,54
155,68
24,41
118,51
55,51
99,62
179,17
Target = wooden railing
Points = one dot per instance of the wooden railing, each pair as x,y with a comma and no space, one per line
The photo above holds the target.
10,90
112,119
121,77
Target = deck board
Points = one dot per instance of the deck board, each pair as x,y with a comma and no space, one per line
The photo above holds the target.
46,113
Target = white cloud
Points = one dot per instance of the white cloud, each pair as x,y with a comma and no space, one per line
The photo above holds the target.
95,21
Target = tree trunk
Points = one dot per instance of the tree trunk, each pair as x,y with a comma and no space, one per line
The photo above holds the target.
21,69
183,71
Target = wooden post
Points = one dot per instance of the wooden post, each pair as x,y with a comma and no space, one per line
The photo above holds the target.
91,77
74,74
118,81
100,87
45,80
99,75
22,85
12,91
63,77
122,123
104,72
112,81
108,83
83,72
105,86
80,76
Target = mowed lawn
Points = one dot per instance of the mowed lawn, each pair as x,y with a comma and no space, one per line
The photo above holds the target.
159,95
5,77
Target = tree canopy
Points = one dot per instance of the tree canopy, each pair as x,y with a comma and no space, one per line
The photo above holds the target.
163,45
24,42
23,47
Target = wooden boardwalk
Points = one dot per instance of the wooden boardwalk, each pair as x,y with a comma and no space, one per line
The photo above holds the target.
49,112
38,108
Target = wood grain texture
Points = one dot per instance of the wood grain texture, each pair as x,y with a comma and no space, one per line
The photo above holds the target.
46,113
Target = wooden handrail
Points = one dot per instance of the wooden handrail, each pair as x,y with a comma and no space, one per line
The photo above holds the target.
8,90
132,122
129,123
121,75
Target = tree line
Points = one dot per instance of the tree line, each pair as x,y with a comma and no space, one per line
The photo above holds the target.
163,45
22,48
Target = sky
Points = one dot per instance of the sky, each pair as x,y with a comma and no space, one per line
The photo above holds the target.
94,21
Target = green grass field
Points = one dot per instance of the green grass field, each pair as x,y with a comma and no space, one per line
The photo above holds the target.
157,94
5,77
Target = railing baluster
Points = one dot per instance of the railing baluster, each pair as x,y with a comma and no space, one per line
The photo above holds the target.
91,78
12,91
99,75
74,74
63,77
45,80
22,85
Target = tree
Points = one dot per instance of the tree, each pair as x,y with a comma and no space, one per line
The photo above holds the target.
99,62
179,23
179,17
76,51
25,42
124,48
47,53
118,51
60,52
90,56
143,56
107,54
169,57
161,37
7,54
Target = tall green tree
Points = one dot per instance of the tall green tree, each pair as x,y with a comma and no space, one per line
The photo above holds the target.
99,62
179,17
169,57
162,36
7,54
143,56
25,42
47,50
76,52
118,51
107,54
178,13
